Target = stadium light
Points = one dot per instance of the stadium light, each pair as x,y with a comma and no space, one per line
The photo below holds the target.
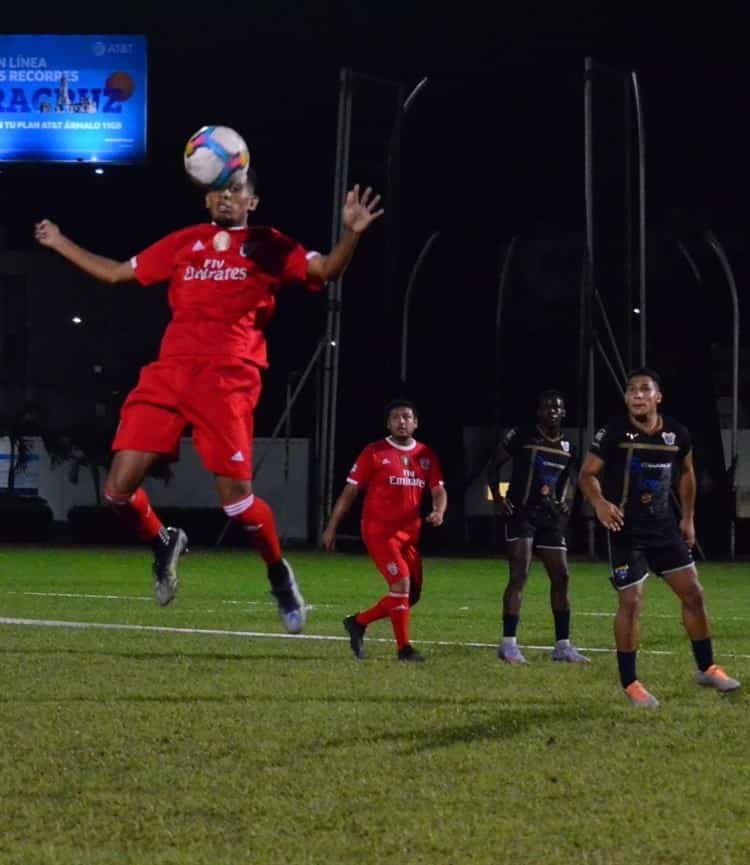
637,310
98,171
77,319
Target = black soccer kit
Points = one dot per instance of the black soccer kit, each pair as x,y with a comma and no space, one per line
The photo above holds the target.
541,466
639,471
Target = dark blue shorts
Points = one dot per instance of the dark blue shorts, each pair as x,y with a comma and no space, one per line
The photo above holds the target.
546,533
632,558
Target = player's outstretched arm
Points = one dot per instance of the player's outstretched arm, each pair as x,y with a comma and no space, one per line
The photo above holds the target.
439,504
340,510
359,212
608,514
104,269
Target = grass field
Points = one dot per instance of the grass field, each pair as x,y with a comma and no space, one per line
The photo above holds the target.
142,743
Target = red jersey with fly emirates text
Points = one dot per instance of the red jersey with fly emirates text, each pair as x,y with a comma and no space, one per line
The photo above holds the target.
395,478
222,287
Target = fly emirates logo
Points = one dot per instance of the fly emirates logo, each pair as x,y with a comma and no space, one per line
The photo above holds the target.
408,480
215,269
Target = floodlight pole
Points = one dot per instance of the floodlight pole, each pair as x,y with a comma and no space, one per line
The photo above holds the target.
407,301
329,400
586,356
641,133
393,194
727,268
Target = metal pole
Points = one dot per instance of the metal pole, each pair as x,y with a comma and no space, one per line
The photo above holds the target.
628,225
343,135
500,304
588,283
334,346
407,300
393,229
641,214
727,268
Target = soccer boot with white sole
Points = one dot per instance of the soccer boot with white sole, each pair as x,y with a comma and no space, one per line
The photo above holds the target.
166,556
569,654
288,597
640,697
715,677
510,653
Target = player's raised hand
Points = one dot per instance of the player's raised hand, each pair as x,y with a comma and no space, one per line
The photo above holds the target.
46,233
328,540
360,209
609,515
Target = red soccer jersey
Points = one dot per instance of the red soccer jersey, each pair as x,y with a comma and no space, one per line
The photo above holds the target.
396,478
222,286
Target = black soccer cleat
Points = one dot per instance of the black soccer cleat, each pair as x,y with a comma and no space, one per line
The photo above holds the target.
356,636
166,556
409,653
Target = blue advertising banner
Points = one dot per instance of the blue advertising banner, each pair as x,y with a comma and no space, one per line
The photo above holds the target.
73,98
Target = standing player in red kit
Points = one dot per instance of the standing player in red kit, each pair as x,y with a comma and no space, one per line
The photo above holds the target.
223,278
395,472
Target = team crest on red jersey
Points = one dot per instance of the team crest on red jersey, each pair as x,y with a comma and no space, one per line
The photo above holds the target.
424,464
222,241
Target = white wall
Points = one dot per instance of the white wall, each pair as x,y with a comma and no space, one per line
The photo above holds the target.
282,480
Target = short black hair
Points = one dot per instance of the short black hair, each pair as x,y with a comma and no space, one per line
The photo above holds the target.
400,403
550,393
646,372
252,178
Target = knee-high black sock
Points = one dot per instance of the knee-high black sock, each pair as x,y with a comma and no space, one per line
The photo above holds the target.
626,666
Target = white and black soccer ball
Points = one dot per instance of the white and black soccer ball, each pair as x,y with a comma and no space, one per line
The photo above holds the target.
213,154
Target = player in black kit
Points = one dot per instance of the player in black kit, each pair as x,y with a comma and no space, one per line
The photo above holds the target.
535,512
638,458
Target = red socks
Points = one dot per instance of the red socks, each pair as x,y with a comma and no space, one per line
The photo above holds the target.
395,606
136,512
256,518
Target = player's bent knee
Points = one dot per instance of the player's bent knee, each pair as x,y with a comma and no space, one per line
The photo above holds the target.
231,490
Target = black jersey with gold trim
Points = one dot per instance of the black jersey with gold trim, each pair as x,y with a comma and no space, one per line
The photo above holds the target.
639,470
541,464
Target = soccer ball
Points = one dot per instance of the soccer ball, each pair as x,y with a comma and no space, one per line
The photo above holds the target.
213,154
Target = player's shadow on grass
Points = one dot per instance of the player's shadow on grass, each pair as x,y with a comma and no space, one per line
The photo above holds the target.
507,725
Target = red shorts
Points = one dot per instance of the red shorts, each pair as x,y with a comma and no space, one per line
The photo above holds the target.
216,396
395,553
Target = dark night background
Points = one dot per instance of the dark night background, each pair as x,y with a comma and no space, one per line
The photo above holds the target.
492,149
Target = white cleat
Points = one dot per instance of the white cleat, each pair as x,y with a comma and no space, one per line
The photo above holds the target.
288,597
715,677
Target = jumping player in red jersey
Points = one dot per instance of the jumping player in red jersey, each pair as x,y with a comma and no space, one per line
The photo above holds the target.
395,472
223,279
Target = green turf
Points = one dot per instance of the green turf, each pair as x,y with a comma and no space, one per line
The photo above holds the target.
137,746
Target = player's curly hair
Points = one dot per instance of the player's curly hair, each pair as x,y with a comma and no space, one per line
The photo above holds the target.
400,402
550,393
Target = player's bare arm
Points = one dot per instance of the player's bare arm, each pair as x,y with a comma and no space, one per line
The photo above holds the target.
359,212
104,269
439,504
340,510
501,505
608,514
686,489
